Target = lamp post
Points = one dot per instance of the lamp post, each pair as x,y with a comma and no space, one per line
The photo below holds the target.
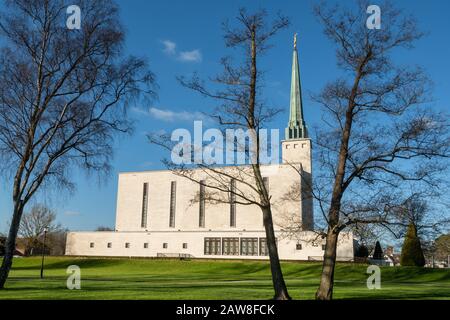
43,253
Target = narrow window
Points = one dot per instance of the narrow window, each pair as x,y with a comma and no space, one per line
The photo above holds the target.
323,247
266,185
173,192
263,250
165,245
298,246
185,245
201,218
146,245
225,246
91,245
144,206
127,245
233,203
109,245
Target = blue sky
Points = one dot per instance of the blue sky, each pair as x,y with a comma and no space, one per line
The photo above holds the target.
180,37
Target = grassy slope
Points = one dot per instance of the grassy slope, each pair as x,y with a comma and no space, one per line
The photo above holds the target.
173,279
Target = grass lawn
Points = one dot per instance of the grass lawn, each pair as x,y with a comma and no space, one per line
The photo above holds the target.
205,279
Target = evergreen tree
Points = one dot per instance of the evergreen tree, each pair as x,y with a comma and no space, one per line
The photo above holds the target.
362,252
378,253
412,254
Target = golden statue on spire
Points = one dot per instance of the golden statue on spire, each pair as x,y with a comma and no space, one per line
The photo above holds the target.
295,40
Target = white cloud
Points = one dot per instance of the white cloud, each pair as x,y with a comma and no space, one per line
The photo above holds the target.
139,111
190,56
167,115
171,116
169,47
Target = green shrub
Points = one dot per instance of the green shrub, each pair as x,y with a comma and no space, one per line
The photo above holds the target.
412,254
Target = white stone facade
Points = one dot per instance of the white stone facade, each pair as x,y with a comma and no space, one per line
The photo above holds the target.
78,244
187,236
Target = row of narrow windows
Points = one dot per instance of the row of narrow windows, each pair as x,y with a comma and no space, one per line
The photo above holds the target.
303,145
236,246
127,245
202,200
225,246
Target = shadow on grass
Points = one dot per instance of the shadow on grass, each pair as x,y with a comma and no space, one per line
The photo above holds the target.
82,263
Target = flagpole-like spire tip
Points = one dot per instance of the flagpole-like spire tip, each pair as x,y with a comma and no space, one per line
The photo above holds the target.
295,40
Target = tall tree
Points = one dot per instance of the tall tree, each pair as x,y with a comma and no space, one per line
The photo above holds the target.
63,95
241,106
377,133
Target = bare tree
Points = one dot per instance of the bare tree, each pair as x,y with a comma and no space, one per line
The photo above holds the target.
417,209
40,219
63,95
377,133
240,95
441,247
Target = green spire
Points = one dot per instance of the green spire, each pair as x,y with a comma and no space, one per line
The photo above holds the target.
296,128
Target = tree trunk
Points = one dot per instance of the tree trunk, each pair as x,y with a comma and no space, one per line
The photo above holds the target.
11,243
279,285
325,291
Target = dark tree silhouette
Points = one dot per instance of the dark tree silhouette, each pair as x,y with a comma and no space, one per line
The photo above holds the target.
378,252
362,252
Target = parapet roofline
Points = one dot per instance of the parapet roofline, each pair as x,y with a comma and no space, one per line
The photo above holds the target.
195,169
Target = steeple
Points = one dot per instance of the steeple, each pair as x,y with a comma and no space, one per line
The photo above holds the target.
296,128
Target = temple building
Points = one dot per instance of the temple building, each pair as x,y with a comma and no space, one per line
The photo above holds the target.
157,217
